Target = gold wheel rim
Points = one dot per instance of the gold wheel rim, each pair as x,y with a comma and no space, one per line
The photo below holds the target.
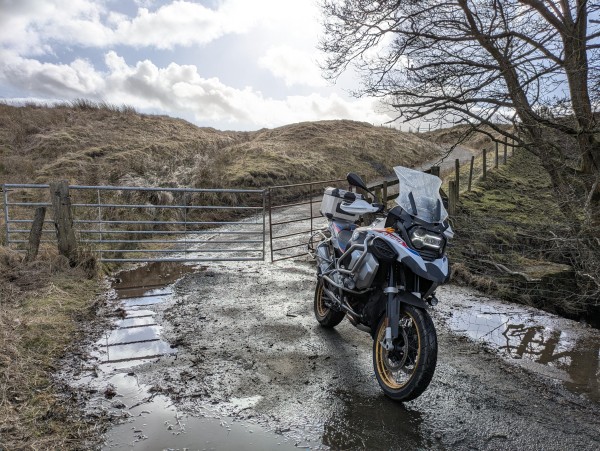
322,310
381,355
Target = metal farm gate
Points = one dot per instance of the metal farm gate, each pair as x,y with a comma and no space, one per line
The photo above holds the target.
130,224
293,210
151,224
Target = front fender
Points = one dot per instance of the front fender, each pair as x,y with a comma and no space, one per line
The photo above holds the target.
408,298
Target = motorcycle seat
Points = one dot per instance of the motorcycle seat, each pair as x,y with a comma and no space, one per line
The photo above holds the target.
343,231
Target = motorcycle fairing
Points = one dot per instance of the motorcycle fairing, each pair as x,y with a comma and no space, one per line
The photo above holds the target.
436,271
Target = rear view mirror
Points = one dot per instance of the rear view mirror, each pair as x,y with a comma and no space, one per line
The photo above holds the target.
355,180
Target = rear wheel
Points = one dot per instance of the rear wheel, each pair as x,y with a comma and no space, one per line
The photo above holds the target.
326,316
406,371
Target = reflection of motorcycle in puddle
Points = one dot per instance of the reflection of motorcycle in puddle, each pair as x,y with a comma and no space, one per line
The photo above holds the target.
581,362
379,420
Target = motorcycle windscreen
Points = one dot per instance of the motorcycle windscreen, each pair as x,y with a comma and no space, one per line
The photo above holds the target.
419,195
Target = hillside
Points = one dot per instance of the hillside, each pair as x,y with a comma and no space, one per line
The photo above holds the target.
90,144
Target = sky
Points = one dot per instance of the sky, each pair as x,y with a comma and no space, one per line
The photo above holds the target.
228,64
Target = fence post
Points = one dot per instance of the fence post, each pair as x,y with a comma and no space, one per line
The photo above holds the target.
310,196
100,223
484,153
506,144
505,155
457,171
35,235
471,172
6,217
270,225
385,192
497,157
63,220
364,192
264,227
452,197
435,170
378,198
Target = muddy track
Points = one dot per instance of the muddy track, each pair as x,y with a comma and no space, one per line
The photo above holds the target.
245,351
248,333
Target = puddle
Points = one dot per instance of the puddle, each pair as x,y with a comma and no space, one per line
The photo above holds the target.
139,313
143,301
152,422
152,279
547,344
136,321
156,424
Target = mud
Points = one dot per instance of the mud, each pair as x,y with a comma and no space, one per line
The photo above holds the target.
249,349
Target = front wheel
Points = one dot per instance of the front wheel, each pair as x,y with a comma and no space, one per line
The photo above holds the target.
405,371
326,316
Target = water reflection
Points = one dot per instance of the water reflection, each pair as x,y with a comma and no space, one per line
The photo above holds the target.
138,281
569,353
372,423
544,346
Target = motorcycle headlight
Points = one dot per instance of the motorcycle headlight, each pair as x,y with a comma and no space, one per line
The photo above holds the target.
422,238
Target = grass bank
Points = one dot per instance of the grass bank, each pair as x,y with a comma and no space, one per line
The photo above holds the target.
513,241
44,308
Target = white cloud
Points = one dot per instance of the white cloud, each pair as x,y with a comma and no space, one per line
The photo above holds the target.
29,26
75,79
34,26
178,89
293,66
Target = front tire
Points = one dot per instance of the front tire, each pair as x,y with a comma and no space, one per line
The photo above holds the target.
326,316
405,372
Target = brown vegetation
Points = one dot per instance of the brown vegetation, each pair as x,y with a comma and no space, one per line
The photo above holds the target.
98,144
42,308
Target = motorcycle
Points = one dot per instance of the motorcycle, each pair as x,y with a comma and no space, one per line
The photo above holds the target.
383,277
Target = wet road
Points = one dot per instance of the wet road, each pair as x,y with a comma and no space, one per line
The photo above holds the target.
231,357
247,355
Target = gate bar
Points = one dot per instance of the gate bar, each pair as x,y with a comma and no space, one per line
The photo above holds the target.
133,188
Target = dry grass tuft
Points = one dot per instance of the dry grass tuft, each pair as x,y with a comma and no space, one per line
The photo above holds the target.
41,305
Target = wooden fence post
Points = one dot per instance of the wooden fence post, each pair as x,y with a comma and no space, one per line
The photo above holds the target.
457,177
435,170
506,144
505,155
497,157
385,191
362,191
378,195
35,235
452,197
484,153
471,172
63,220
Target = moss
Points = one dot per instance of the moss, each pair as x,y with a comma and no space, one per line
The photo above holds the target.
506,219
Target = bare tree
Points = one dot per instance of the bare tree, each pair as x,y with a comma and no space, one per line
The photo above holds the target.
485,62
